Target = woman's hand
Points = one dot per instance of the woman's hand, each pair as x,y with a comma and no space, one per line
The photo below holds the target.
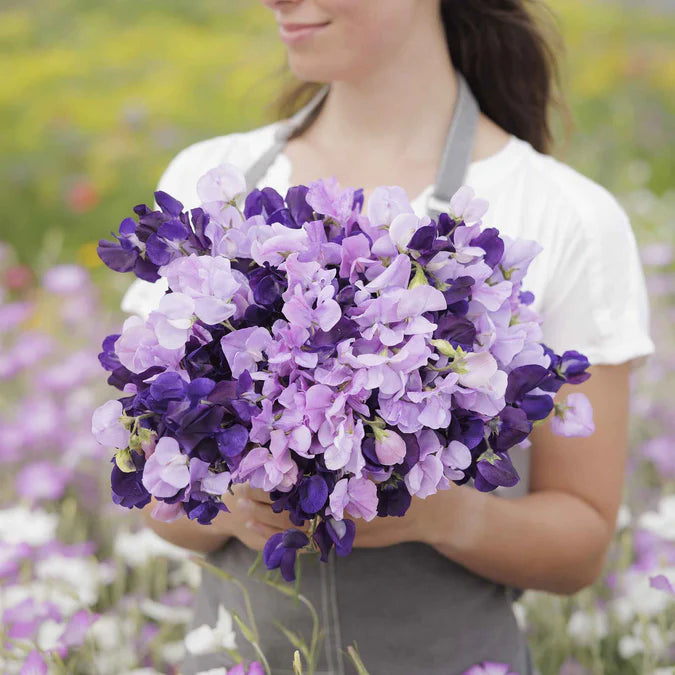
251,519
420,523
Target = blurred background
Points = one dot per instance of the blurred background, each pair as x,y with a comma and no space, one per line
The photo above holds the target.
95,99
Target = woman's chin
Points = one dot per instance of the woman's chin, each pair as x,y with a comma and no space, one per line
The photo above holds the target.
315,67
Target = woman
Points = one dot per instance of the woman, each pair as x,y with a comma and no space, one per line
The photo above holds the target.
431,592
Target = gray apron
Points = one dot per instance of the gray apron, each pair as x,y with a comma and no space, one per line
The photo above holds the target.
410,610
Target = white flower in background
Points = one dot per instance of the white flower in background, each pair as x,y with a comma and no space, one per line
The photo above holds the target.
623,518
142,671
111,631
42,592
639,598
204,639
662,521
586,628
645,638
48,634
32,526
139,548
80,575
189,573
172,652
213,671
165,613
521,615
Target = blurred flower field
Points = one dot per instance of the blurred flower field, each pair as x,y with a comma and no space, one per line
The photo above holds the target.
95,99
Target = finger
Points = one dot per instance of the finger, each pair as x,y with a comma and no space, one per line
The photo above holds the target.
262,529
258,495
264,514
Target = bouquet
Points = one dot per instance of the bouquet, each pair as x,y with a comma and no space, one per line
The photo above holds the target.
344,362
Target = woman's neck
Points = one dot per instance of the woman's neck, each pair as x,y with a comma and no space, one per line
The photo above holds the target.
398,108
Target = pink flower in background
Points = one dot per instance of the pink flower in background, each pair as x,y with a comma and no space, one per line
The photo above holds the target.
42,480
490,668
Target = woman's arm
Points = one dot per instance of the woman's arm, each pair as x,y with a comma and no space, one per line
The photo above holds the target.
250,519
188,533
555,538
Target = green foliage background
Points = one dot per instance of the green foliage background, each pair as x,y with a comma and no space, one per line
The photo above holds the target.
95,98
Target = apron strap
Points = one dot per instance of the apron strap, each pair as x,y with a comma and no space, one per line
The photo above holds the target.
455,159
282,133
456,155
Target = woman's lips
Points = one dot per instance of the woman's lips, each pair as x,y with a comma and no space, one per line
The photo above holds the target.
291,33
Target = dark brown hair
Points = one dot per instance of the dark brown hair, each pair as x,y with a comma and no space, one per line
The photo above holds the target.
508,52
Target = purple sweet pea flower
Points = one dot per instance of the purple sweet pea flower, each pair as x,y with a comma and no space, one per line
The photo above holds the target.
281,549
574,417
166,471
338,533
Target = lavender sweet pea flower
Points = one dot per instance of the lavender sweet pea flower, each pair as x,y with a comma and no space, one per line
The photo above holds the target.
166,471
223,183
301,313
107,428
244,348
208,281
574,417
424,476
455,459
357,496
387,202
138,348
327,198
390,448
345,449
268,470
466,206
173,319
274,244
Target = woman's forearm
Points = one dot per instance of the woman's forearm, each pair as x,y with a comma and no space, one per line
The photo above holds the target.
187,533
547,540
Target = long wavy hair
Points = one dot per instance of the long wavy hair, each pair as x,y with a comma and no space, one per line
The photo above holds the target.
508,52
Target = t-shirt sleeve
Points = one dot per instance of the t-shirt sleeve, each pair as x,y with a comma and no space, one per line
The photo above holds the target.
179,179
596,299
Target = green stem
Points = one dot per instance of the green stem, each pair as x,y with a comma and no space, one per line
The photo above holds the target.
228,577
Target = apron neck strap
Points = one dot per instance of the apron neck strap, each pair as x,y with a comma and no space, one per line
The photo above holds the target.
455,159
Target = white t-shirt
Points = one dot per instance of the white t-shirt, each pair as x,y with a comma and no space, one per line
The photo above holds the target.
588,282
